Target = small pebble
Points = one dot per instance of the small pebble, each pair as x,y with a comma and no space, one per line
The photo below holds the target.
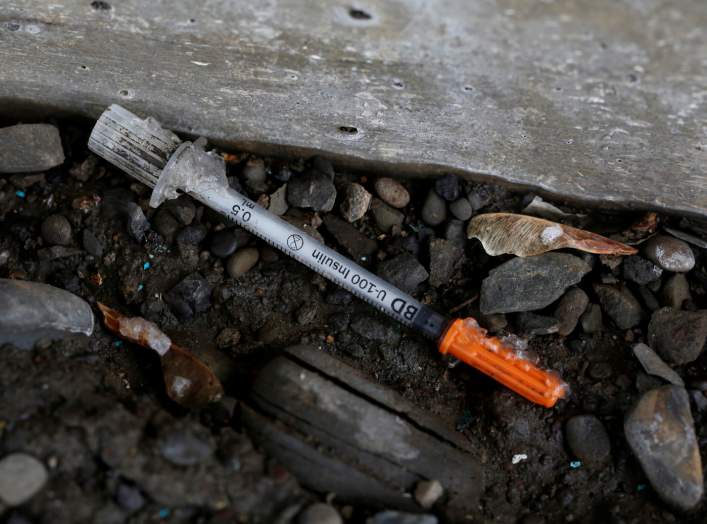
588,439
403,271
242,261
191,235
569,310
461,209
185,449
228,337
319,513
386,217
428,492
129,497
91,244
189,297
533,324
278,201
434,210
356,202
675,292
137,222
448,187
56,230
224,243
600,370
165,223
313,190
669,253
392,192
21,477
638,269
677,336
620,305
183,209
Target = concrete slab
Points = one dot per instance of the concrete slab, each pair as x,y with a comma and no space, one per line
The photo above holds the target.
592,100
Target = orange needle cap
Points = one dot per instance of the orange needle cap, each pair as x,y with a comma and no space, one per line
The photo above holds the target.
467,341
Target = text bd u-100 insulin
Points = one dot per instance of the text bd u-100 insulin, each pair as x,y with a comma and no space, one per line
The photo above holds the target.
398,305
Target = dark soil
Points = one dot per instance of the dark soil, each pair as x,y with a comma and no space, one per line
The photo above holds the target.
95,410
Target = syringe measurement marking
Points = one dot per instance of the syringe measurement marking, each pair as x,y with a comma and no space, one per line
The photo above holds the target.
368,290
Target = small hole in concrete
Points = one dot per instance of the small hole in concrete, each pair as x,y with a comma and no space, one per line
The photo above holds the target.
632,77
126,93
83,67
359,14
468,89
192,20
13,26
398,84
349,130
99,5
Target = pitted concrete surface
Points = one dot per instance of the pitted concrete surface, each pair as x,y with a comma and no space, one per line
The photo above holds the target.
596,101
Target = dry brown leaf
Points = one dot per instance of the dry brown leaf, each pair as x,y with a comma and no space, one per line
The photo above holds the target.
526,236
189,381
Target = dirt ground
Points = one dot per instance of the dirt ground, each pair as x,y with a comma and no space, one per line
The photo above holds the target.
95,410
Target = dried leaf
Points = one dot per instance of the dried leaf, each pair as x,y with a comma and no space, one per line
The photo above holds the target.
189,381
526,236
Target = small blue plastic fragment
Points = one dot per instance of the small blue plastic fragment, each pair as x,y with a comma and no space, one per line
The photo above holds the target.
575,464
164,513
146,266
20,193
118,343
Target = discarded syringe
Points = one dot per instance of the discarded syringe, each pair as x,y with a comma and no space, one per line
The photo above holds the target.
158,158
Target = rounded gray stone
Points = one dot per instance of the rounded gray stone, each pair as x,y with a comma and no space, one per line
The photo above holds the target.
21,477
56,230
461,209
434,210
319,513
386,217
669,253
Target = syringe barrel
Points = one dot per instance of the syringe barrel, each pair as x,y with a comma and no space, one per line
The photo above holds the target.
305,249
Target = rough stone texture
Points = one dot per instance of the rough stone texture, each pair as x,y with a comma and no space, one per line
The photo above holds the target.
445,258
29,147
356,202
403,271
30,311
604,100
661,433
620,305
359,246
654,365
570,308
526,284
678,336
